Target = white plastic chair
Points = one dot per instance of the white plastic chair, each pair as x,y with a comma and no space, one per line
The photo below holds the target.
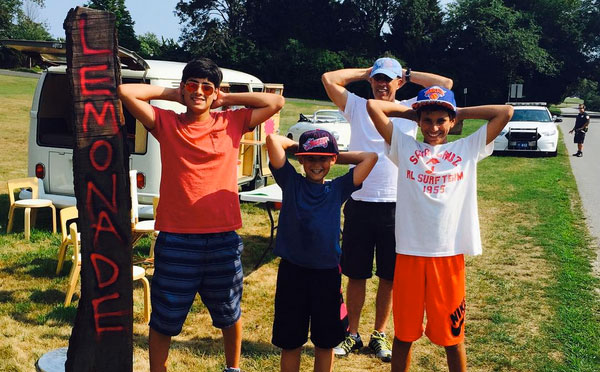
66,215
139,273
34,203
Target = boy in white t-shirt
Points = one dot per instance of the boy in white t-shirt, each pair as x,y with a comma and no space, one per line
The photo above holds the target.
438,221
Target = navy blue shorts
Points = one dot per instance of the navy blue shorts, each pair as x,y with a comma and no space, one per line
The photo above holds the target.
307,298
369,231
186,264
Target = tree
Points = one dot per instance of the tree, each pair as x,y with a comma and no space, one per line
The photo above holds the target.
125,31
417,34
211,24
588,91
563,25
149,45
491,46
28,27
18,21
11,11
163,49
8,12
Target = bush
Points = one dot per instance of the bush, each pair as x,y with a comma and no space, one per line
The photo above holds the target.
588,91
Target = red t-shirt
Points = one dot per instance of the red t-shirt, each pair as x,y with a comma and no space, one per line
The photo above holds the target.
198,184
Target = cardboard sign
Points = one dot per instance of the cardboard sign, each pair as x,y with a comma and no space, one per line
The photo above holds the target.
101,339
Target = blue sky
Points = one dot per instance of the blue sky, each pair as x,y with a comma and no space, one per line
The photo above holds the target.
154,16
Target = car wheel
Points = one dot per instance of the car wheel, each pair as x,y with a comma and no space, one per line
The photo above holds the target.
290,136
553,153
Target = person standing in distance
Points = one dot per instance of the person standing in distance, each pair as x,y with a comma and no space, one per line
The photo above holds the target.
581,125
369,214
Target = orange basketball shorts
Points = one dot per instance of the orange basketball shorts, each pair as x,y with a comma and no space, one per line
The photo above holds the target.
431,285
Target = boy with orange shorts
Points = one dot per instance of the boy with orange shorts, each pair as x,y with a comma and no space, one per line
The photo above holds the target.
438,222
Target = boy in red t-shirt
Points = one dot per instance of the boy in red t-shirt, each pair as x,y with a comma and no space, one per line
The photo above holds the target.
197,250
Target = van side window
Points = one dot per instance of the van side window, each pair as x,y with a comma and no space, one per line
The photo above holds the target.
54,127
54,123
238,88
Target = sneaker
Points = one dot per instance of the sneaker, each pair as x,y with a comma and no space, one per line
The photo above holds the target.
381,346
231,369
578,154
349,345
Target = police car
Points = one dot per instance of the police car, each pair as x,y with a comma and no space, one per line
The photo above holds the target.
532,129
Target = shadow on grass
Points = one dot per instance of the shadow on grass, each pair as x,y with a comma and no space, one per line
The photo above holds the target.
49,296
254,248
61,314
38,267
212,346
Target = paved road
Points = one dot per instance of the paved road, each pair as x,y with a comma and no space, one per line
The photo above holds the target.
587,174
19,73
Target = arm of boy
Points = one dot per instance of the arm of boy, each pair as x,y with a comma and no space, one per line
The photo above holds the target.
364,161
380,111
496,115
426,79
263,105
276,146
335,83
136,97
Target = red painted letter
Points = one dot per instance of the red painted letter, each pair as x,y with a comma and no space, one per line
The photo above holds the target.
94,257
103,217
87,50
93,150
90,108
97,315
112,206
85,82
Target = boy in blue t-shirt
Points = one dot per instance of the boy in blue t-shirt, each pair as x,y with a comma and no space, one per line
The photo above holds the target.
309,280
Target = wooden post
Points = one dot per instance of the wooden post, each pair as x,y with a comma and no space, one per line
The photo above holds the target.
101,339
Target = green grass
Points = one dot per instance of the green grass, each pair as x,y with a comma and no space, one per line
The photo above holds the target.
532,302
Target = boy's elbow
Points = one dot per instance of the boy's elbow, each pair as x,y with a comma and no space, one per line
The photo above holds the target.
449,83
371,107
325,79
373,157
508,112
121,90
279,102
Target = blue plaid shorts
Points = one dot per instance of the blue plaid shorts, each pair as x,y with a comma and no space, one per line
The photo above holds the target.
186,264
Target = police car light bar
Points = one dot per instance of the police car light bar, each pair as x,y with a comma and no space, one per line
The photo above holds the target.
526,103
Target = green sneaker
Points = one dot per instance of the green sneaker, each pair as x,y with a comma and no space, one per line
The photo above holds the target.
349,345
381,346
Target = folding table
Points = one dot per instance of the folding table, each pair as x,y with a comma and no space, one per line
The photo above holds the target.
269,195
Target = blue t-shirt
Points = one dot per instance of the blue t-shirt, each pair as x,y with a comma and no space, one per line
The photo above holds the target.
308,233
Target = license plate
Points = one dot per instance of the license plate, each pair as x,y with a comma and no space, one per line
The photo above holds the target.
522,145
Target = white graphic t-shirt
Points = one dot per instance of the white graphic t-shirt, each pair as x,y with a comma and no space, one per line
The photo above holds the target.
380,185
436,212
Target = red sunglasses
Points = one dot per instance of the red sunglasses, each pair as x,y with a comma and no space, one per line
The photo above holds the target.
192,87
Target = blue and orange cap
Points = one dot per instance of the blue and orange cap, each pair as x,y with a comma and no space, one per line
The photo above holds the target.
435,95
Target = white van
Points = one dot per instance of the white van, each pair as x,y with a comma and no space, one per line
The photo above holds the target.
51,136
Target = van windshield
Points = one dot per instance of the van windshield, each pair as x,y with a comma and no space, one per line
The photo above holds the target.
54,127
